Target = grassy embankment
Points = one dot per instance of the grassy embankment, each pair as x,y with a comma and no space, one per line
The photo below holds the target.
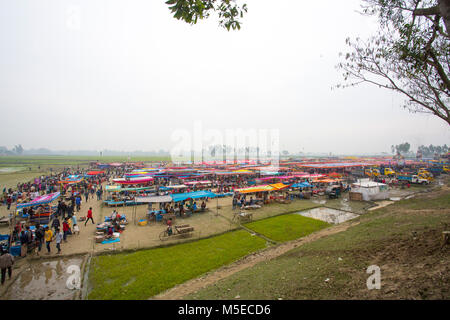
402,239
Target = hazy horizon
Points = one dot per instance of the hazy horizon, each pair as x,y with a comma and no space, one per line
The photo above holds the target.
109,74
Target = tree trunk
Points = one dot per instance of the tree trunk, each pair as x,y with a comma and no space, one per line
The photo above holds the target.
444,9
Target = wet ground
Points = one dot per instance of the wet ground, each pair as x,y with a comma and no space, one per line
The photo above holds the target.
343,204
43,280
11,169
328,215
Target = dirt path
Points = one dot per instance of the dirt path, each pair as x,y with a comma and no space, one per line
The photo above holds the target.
194,285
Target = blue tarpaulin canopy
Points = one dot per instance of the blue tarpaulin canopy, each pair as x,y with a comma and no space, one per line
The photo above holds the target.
177,197
301,185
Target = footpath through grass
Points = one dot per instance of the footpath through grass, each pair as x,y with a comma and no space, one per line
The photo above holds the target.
143,274
402,239
286,227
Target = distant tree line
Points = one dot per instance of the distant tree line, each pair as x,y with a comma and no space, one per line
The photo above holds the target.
17,150
432,150
424,151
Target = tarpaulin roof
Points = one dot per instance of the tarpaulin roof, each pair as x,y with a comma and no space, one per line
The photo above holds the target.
192,195
326,180
308,176
154,199
113,188
119,188
301,185
260,188
133,180
177,186
336,165
39,200
276,177
334,174
72,179
199,182
278,186
94,173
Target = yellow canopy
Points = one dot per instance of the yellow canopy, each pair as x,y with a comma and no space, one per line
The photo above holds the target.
255,189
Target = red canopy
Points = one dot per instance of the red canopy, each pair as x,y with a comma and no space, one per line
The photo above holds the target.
94,173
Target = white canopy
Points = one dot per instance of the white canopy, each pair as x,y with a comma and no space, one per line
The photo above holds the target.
154,199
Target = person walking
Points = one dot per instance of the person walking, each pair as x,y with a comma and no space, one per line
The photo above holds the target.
58,238
8,202
48,238
74,220
55,223
6,263
39,235
78,202
89,216
23,243
66,229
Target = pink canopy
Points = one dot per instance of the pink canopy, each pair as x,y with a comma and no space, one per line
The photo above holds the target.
198,182
141,180
39,200
276,177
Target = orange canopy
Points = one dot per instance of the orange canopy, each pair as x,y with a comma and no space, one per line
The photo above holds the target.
278,186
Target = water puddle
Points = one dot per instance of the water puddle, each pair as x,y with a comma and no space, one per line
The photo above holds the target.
43,281
329,215
11,169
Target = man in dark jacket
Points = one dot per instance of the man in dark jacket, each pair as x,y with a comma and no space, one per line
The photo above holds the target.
39,237
55,223
6,262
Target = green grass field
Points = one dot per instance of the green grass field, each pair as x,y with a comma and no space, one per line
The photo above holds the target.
286,227
143,274
71,160
15,169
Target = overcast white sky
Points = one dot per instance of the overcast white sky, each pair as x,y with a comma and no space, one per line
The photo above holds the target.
129,74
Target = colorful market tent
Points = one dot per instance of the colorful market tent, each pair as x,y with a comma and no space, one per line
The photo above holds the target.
326,180
276,177
154,199
177,197
198,182
133,180
301,185
176,186
334,175
308,176
94,173
45,199
120,189
73,179
260,188
278,186
113,188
